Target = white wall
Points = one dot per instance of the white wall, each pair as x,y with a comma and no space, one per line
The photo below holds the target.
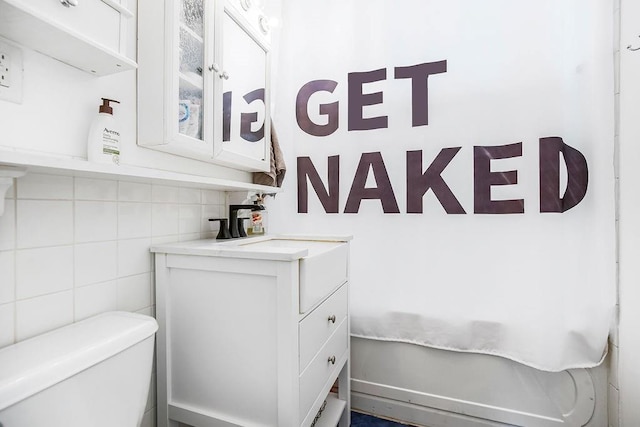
628,372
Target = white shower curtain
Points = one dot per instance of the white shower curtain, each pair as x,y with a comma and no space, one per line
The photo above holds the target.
491,109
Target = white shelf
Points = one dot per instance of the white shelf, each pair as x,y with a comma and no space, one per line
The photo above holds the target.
26,25
332,412
39,163
191,32
192,82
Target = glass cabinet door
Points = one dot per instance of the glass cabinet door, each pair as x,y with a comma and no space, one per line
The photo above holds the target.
243,137
203,81
191,83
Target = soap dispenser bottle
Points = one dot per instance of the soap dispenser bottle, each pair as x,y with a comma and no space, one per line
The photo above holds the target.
258,218
104,136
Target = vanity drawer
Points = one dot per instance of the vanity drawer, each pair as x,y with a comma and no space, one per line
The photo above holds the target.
321,272
321,369
315,329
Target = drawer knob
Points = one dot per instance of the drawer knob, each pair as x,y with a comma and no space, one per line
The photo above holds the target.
332,318
332,360
68,3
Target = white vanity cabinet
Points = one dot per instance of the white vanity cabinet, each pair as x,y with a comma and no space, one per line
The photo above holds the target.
88,34
203,81
245,341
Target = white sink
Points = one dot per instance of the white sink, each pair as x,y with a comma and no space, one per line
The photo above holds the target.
313,246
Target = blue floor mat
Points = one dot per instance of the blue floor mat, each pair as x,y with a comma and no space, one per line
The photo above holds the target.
362,420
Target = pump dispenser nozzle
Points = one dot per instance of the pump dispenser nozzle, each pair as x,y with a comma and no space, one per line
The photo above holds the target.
105,107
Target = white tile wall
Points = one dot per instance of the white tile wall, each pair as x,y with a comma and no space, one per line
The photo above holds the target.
7,277
74,247
134,220
96,189
52,187
42,271
134,256
8,225
95,221
134,192
7,318
95,262
189,236
190,219
165,219
190,196
210,197
44,223
165,194
134,292
37,315
93,299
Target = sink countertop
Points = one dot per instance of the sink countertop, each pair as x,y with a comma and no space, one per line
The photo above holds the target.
276,247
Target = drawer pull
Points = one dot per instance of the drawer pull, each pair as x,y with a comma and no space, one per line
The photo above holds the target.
332,318
332,360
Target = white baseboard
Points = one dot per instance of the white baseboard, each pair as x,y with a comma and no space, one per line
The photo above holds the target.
416,415
431,410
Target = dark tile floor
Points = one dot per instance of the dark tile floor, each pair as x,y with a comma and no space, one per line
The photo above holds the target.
362,420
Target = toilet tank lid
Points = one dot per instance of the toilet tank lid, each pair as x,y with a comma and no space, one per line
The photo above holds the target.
35,364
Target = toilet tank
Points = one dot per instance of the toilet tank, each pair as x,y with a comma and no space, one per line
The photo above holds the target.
95,372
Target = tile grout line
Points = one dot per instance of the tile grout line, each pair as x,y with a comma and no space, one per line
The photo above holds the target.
118,184
73,251
15,260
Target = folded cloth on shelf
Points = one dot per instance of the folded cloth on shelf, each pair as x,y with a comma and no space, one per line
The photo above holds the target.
277,169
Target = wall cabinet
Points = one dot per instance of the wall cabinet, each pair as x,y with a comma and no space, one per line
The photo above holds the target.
203,81
87,34
253,332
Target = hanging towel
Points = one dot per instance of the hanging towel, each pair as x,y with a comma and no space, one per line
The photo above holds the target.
275,175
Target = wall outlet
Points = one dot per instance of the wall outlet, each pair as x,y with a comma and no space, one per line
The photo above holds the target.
5,69
10,72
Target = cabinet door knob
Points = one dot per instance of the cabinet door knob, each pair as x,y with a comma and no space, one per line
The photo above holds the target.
224,75
68,3
332,360
332,318
214,67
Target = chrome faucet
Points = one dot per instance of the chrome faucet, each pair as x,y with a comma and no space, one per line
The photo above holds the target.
236,225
